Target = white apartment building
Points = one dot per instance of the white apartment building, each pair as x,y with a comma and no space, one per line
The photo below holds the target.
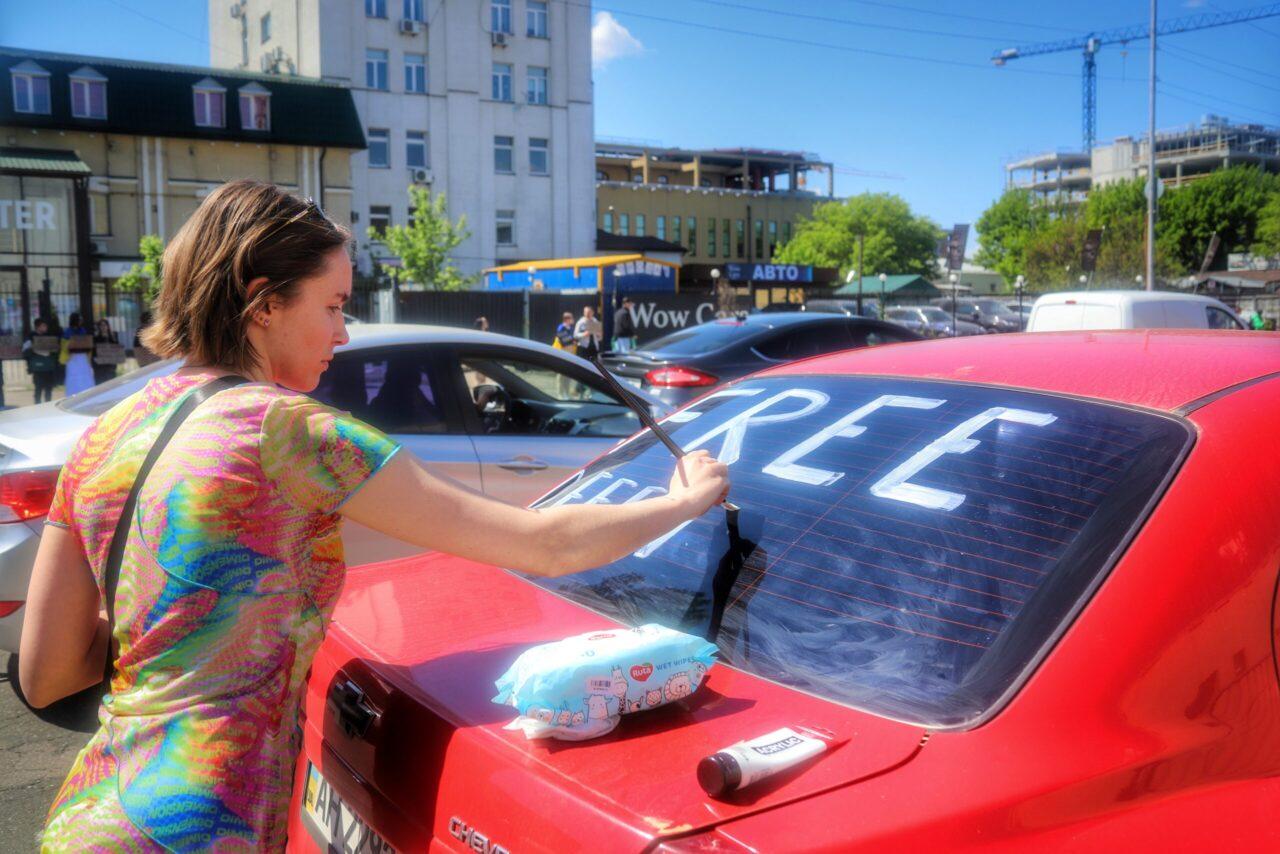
488,101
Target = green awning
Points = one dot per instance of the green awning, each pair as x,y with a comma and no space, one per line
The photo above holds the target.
41,161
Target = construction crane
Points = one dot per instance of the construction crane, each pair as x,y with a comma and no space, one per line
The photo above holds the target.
1091,43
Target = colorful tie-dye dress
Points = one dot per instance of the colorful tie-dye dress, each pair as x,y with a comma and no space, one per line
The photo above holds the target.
230,574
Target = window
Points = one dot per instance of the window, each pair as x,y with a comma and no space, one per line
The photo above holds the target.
88,94
1219,319
663,179
693,235
624,224
724,238
415,149
809,340
30,88
264,28
711,237
554,401
662,228
786,233
740,232
379,148
415,72
392,390
537,85
502,81
705,182
500,16
539,158
889,573
255,107
675,229
99,215
375,69
758,231
504,154
773,237
601,175
506,231
413,10
375,8
535,18
639,225
608,222
379,220
210,100
637,177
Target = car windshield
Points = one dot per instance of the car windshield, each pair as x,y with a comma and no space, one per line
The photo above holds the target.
912,548
996,307
703,338
936,315
97,400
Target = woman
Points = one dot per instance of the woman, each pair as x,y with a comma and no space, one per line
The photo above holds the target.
103,370
77,346
41,352
233,559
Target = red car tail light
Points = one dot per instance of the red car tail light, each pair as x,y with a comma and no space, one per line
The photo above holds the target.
26,494
676,377
7,608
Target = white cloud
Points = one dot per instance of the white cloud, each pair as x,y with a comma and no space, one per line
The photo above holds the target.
610,40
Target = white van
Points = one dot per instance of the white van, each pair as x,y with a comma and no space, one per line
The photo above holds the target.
1072,310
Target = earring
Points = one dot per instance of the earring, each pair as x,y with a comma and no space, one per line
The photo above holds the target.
266,321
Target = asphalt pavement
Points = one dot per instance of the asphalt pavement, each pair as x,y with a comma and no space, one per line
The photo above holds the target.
38,748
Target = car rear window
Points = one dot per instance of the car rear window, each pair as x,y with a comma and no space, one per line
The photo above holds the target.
98,399
918,546
703,338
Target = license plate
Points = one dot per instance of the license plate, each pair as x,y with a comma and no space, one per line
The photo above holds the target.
334,825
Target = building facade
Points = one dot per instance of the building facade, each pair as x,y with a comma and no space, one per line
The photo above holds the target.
488,102
722,206
1183,155
95,153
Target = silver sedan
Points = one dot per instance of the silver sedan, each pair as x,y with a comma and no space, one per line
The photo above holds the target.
508,417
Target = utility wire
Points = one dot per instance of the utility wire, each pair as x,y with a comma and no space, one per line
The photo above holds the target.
936,13
1271,75
158,22
1216,97
1189,58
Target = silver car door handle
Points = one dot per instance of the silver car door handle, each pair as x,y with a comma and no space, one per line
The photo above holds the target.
522,464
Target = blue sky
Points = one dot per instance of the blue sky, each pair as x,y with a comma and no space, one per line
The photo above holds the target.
900,88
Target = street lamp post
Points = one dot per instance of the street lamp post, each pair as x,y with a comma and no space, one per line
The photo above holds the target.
849,280
1138,279
955,294
1018,284
1084,281
883,278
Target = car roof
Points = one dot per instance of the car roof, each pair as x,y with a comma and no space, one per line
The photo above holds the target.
380,334
775,319
1163,369
1121,297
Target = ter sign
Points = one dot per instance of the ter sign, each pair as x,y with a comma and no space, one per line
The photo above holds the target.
769,273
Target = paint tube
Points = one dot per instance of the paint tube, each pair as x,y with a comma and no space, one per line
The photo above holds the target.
739,765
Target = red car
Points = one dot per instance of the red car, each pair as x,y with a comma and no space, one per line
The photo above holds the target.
1031,579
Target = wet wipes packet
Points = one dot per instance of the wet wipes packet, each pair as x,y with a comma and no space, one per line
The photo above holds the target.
579,687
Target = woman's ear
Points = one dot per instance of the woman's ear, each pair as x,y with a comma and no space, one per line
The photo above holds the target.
263,315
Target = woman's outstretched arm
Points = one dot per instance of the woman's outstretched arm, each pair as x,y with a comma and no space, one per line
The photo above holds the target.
406,501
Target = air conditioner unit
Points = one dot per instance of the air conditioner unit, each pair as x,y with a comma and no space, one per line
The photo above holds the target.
499,39
420,175
267,63
410,27
98,247
278,54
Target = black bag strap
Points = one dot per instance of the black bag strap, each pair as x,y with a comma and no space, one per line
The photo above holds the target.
115,555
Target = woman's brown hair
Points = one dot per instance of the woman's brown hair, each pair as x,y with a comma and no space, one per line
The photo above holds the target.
243,231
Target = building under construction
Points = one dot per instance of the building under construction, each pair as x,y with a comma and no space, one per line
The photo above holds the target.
1182,156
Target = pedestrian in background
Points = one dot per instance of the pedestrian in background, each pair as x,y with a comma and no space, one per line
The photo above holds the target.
229,564
77,348
624,327
103,369
588,332
564,337
41,352
140,352
481,324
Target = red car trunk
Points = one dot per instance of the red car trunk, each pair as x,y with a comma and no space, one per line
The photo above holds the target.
435,766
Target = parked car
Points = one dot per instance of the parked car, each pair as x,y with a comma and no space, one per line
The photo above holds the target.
1022,594
988,312
930,321
1130,310
844,305
678,367
506,416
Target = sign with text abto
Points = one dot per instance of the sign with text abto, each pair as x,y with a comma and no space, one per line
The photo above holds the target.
769,272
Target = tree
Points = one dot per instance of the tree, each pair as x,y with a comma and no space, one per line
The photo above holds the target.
1005,228
895,240
1228,201
145,277
1267,237
423,246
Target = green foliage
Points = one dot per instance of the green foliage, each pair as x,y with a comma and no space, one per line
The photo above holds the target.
896,240
145,277
1229,201
423,246
1267,237
1005,229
